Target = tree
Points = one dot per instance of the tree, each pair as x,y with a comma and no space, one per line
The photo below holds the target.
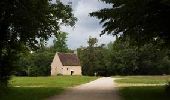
122,58
38,63
41,64
126,59
141,20
88,57
93,58
60,44
22,22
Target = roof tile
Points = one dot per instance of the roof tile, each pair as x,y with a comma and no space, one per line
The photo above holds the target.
69,59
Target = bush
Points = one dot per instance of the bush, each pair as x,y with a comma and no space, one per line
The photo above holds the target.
167,88
59,74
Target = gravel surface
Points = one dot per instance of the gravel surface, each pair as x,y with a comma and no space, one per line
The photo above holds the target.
100,89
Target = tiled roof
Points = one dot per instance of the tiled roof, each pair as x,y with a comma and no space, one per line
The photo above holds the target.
69,59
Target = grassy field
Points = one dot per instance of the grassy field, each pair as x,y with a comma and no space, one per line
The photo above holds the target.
143,87
143,80
39,88
144,93
58,81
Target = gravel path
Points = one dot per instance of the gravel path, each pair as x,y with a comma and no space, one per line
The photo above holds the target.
100,89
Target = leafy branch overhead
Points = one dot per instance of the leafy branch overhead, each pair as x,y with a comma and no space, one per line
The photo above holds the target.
26,20
141,20
22,22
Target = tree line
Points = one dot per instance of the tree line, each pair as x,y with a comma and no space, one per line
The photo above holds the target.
38,63
143,34
122,58
116,58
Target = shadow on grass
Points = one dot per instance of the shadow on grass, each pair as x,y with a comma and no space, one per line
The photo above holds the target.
29,93
144,93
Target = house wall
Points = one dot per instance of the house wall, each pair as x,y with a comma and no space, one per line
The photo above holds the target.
56,66
66,70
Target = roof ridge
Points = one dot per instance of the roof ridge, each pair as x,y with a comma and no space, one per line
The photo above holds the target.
65,53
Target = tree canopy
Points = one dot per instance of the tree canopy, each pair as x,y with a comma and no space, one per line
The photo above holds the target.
22,23
38,63
141,20
121,58
60,42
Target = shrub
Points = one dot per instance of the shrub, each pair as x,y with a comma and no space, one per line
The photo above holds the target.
167,88
59,74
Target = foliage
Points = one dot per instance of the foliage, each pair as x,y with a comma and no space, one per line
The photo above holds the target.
22,22
35,64
129,59
122,58
142,31
41,64
92,58
141,20
59,44
167,88
38,63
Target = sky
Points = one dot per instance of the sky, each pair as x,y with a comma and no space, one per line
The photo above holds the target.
86,26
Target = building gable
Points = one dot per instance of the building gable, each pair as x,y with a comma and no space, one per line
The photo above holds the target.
65,64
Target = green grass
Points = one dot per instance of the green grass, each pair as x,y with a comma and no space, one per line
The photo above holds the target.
132,92
143,79
58,81
144,93
30,93
39,88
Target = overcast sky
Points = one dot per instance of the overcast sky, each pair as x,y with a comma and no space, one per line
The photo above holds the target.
86,26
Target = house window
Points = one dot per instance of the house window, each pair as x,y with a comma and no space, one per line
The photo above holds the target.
67,68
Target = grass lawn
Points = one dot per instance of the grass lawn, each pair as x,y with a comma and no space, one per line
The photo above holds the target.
30,93
147,91
58,81
143,79
39,88
144,93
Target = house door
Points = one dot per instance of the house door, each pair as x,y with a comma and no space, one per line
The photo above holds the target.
72,72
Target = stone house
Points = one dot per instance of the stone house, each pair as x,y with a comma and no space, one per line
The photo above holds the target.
65,64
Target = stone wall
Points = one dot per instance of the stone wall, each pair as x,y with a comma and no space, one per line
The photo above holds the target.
66,70
56,66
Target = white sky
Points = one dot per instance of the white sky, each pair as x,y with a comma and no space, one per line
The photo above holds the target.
86,26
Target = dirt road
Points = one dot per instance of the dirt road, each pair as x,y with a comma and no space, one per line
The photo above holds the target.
100,89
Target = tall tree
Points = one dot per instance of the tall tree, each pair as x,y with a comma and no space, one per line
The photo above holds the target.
141,20
60,44
87,56
22,22
126,59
